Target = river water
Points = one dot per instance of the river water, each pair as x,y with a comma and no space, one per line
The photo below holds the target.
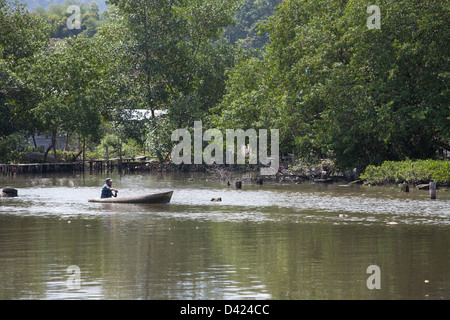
275,241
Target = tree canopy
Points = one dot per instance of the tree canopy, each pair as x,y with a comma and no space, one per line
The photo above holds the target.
313,69
337,89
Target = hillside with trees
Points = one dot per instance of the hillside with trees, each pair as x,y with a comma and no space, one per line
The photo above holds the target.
32,5
57,16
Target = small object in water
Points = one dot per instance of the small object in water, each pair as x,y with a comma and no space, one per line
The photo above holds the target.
392,223
259,181
238,184
9,193
190,179
216,199
343,215
404,187
432,190
423,186
228,183
427,281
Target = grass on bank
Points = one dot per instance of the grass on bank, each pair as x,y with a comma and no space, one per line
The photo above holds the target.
411,171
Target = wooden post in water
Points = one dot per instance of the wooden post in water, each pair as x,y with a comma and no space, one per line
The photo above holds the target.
404,187
84,153
433,190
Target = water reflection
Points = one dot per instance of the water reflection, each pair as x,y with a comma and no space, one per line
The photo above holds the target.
269,242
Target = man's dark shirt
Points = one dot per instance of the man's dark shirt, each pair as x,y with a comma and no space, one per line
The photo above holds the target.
106,192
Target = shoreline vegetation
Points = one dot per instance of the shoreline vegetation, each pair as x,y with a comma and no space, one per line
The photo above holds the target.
411,172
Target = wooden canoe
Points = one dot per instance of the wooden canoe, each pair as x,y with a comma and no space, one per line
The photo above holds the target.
150,198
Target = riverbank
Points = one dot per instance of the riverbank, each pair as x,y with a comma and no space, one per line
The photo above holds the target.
389,173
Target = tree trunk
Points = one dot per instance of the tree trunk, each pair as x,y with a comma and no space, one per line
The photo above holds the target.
66,146
152,109
34,141
157,148
120,156
46,153
75,157
119,148
84,152
54,143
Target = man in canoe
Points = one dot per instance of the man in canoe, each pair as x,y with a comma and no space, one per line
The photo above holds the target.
107,190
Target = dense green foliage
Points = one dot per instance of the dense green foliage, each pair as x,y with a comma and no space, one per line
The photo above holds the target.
55,86
68,80
419,171
334,88
247,20
16,98
180,67
12,148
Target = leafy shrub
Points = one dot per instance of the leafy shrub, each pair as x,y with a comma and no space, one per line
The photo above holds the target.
129,149
66,156
13,149
418,171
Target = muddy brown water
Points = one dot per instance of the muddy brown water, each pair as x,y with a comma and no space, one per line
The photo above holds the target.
275,241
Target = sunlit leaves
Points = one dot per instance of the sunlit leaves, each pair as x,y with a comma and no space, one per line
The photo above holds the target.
344,91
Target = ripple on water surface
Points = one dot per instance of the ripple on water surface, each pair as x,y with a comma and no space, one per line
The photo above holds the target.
305,203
